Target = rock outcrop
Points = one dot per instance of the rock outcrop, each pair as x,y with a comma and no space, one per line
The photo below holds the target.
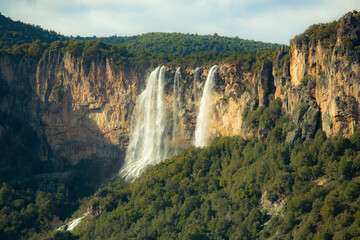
328,65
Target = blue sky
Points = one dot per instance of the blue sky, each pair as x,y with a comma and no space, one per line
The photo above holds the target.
274,21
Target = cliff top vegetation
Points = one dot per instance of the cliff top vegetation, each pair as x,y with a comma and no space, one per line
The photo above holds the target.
146,50
327,33
180,44
16,33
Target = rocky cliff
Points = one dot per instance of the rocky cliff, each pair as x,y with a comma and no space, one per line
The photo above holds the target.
81,108
84,108
328,67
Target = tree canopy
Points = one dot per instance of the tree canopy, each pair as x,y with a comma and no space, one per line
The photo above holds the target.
180,44
239,189
16,33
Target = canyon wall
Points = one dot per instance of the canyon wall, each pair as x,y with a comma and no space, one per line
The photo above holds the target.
83,108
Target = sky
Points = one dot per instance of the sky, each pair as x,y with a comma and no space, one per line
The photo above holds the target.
275,21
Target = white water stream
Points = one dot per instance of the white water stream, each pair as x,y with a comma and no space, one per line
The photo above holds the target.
176,110
72,224
150,137
148,144
202,121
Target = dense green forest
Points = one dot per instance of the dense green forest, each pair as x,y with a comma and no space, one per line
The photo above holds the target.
16,33
37,195
147,50
94,50
180,44
238,189
233,189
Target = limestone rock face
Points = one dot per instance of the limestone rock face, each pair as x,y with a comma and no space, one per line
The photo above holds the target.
79,109
85,108
333,76
228,101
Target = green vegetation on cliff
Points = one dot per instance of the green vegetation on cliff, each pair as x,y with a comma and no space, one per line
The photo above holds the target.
324,33
347,29
97,50
238,189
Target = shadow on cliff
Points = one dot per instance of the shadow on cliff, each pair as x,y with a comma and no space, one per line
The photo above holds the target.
77,137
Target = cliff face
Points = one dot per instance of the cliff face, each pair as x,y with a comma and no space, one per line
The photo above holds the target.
83,108
80,109
331,70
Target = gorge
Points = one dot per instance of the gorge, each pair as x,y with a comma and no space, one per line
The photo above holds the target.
85,102
72,101
83,108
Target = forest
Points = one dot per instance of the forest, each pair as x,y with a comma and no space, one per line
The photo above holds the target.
147,50
239,189
181,45
17,33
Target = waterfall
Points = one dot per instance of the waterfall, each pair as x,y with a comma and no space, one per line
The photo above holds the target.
147,143
150,125
202,125
176,109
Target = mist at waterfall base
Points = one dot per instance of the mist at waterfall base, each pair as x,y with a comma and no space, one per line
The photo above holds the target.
153,135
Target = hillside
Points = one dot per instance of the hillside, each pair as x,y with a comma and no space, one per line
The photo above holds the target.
172,45
147,50
238,189
180,45
16,33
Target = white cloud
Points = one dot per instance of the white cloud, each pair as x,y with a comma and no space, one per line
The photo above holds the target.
264,20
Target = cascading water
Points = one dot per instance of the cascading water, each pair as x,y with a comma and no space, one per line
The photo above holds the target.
147,144
202,125
176,109
149,134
